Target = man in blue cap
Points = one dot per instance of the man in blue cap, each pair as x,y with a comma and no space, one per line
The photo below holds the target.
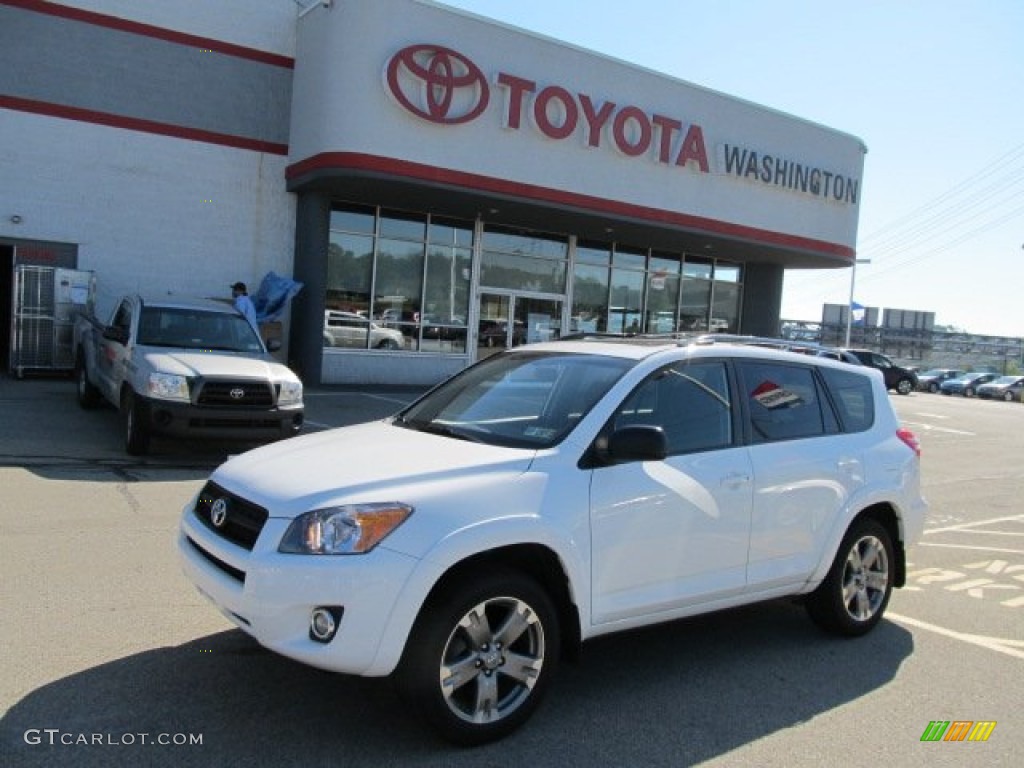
244,304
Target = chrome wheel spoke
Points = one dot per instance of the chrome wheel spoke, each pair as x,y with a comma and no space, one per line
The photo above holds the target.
522,669
515,625
476,625
486,707
454,676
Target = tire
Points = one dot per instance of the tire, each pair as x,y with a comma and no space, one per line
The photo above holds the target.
933,388
968,392
388,344
854,595
136,431
461,634
904,386
1008,397
88,396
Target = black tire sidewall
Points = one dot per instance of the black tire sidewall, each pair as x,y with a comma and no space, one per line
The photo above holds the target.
417,675
136,434
826,605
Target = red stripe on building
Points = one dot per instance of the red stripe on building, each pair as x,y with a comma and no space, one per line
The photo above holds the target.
148,30
137,124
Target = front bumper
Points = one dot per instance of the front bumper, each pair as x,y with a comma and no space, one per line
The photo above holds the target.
173,419
271,595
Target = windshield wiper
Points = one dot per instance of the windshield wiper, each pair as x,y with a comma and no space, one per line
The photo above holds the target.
435,428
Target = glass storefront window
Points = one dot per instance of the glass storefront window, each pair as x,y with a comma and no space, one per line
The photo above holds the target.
593,253
727,273
525,243
725,312
446,299
697,268
403,225
627,292
662,295
630,258
353,219
694,303
349,272
523,273
398,288
589,299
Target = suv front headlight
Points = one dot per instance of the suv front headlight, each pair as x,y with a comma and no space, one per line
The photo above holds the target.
351,529
168,386
291,393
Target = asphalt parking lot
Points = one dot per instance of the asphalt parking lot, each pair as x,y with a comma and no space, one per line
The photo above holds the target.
110,652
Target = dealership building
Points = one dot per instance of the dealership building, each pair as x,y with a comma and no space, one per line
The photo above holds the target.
442,185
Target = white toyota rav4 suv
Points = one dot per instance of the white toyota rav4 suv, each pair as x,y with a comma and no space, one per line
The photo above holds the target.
553,493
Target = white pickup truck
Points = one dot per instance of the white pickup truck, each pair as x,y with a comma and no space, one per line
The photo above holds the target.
184,367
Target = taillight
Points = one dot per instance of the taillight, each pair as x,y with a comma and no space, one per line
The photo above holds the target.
910,439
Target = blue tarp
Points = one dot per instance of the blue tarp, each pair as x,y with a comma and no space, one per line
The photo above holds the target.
273,296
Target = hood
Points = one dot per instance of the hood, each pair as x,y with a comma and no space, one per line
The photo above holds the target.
216,364
370,462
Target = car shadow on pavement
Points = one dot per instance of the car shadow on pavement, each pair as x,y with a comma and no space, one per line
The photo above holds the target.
676,694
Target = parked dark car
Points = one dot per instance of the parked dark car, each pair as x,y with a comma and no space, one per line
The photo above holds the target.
967,385
903,380
1006,388
931,380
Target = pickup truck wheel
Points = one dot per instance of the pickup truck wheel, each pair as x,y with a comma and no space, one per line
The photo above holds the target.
88,395
904,386
136,433
480,656
854,595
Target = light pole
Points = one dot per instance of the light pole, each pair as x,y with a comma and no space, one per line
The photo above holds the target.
849,306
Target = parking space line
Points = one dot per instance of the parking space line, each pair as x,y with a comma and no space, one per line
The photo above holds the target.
968,526
932,428
1014,648
966,546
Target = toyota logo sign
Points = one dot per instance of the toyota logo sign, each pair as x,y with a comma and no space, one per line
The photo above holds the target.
237,393
438,84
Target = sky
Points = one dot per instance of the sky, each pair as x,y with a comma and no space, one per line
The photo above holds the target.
934,88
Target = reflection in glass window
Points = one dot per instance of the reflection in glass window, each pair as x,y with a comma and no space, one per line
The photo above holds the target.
523,273
693,307
593,253
662,295
627,292
398,291
356,218
689,401
630,258
525,243
349,272
783,402
589,299
403,225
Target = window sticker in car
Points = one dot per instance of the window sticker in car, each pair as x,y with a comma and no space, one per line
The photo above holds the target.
771,396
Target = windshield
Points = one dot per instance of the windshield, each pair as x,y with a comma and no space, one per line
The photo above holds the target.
1005,381
527,400
197,329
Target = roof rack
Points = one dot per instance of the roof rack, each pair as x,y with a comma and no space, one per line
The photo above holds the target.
684,337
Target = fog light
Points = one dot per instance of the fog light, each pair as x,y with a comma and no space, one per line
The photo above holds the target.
323,623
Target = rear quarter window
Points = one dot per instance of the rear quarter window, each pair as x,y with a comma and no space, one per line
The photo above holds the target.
784,403
853,398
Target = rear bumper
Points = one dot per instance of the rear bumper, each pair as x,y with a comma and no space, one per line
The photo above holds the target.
187,420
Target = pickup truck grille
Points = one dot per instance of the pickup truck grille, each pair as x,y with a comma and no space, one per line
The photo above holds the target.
232,394
237,520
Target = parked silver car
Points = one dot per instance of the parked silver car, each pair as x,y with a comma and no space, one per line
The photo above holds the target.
1006,388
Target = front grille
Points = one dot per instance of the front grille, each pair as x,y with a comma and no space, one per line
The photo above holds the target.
240,521
230,570
234,394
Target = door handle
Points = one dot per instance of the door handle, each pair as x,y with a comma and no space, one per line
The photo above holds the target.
735,480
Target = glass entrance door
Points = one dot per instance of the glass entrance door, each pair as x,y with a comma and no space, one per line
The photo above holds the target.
508,320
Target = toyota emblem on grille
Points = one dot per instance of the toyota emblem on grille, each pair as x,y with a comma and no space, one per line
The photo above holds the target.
219,513
237,393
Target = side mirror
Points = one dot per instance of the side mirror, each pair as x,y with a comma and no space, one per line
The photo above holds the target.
637,443
114,333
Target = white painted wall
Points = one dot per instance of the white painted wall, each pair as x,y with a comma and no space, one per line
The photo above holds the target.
149,213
